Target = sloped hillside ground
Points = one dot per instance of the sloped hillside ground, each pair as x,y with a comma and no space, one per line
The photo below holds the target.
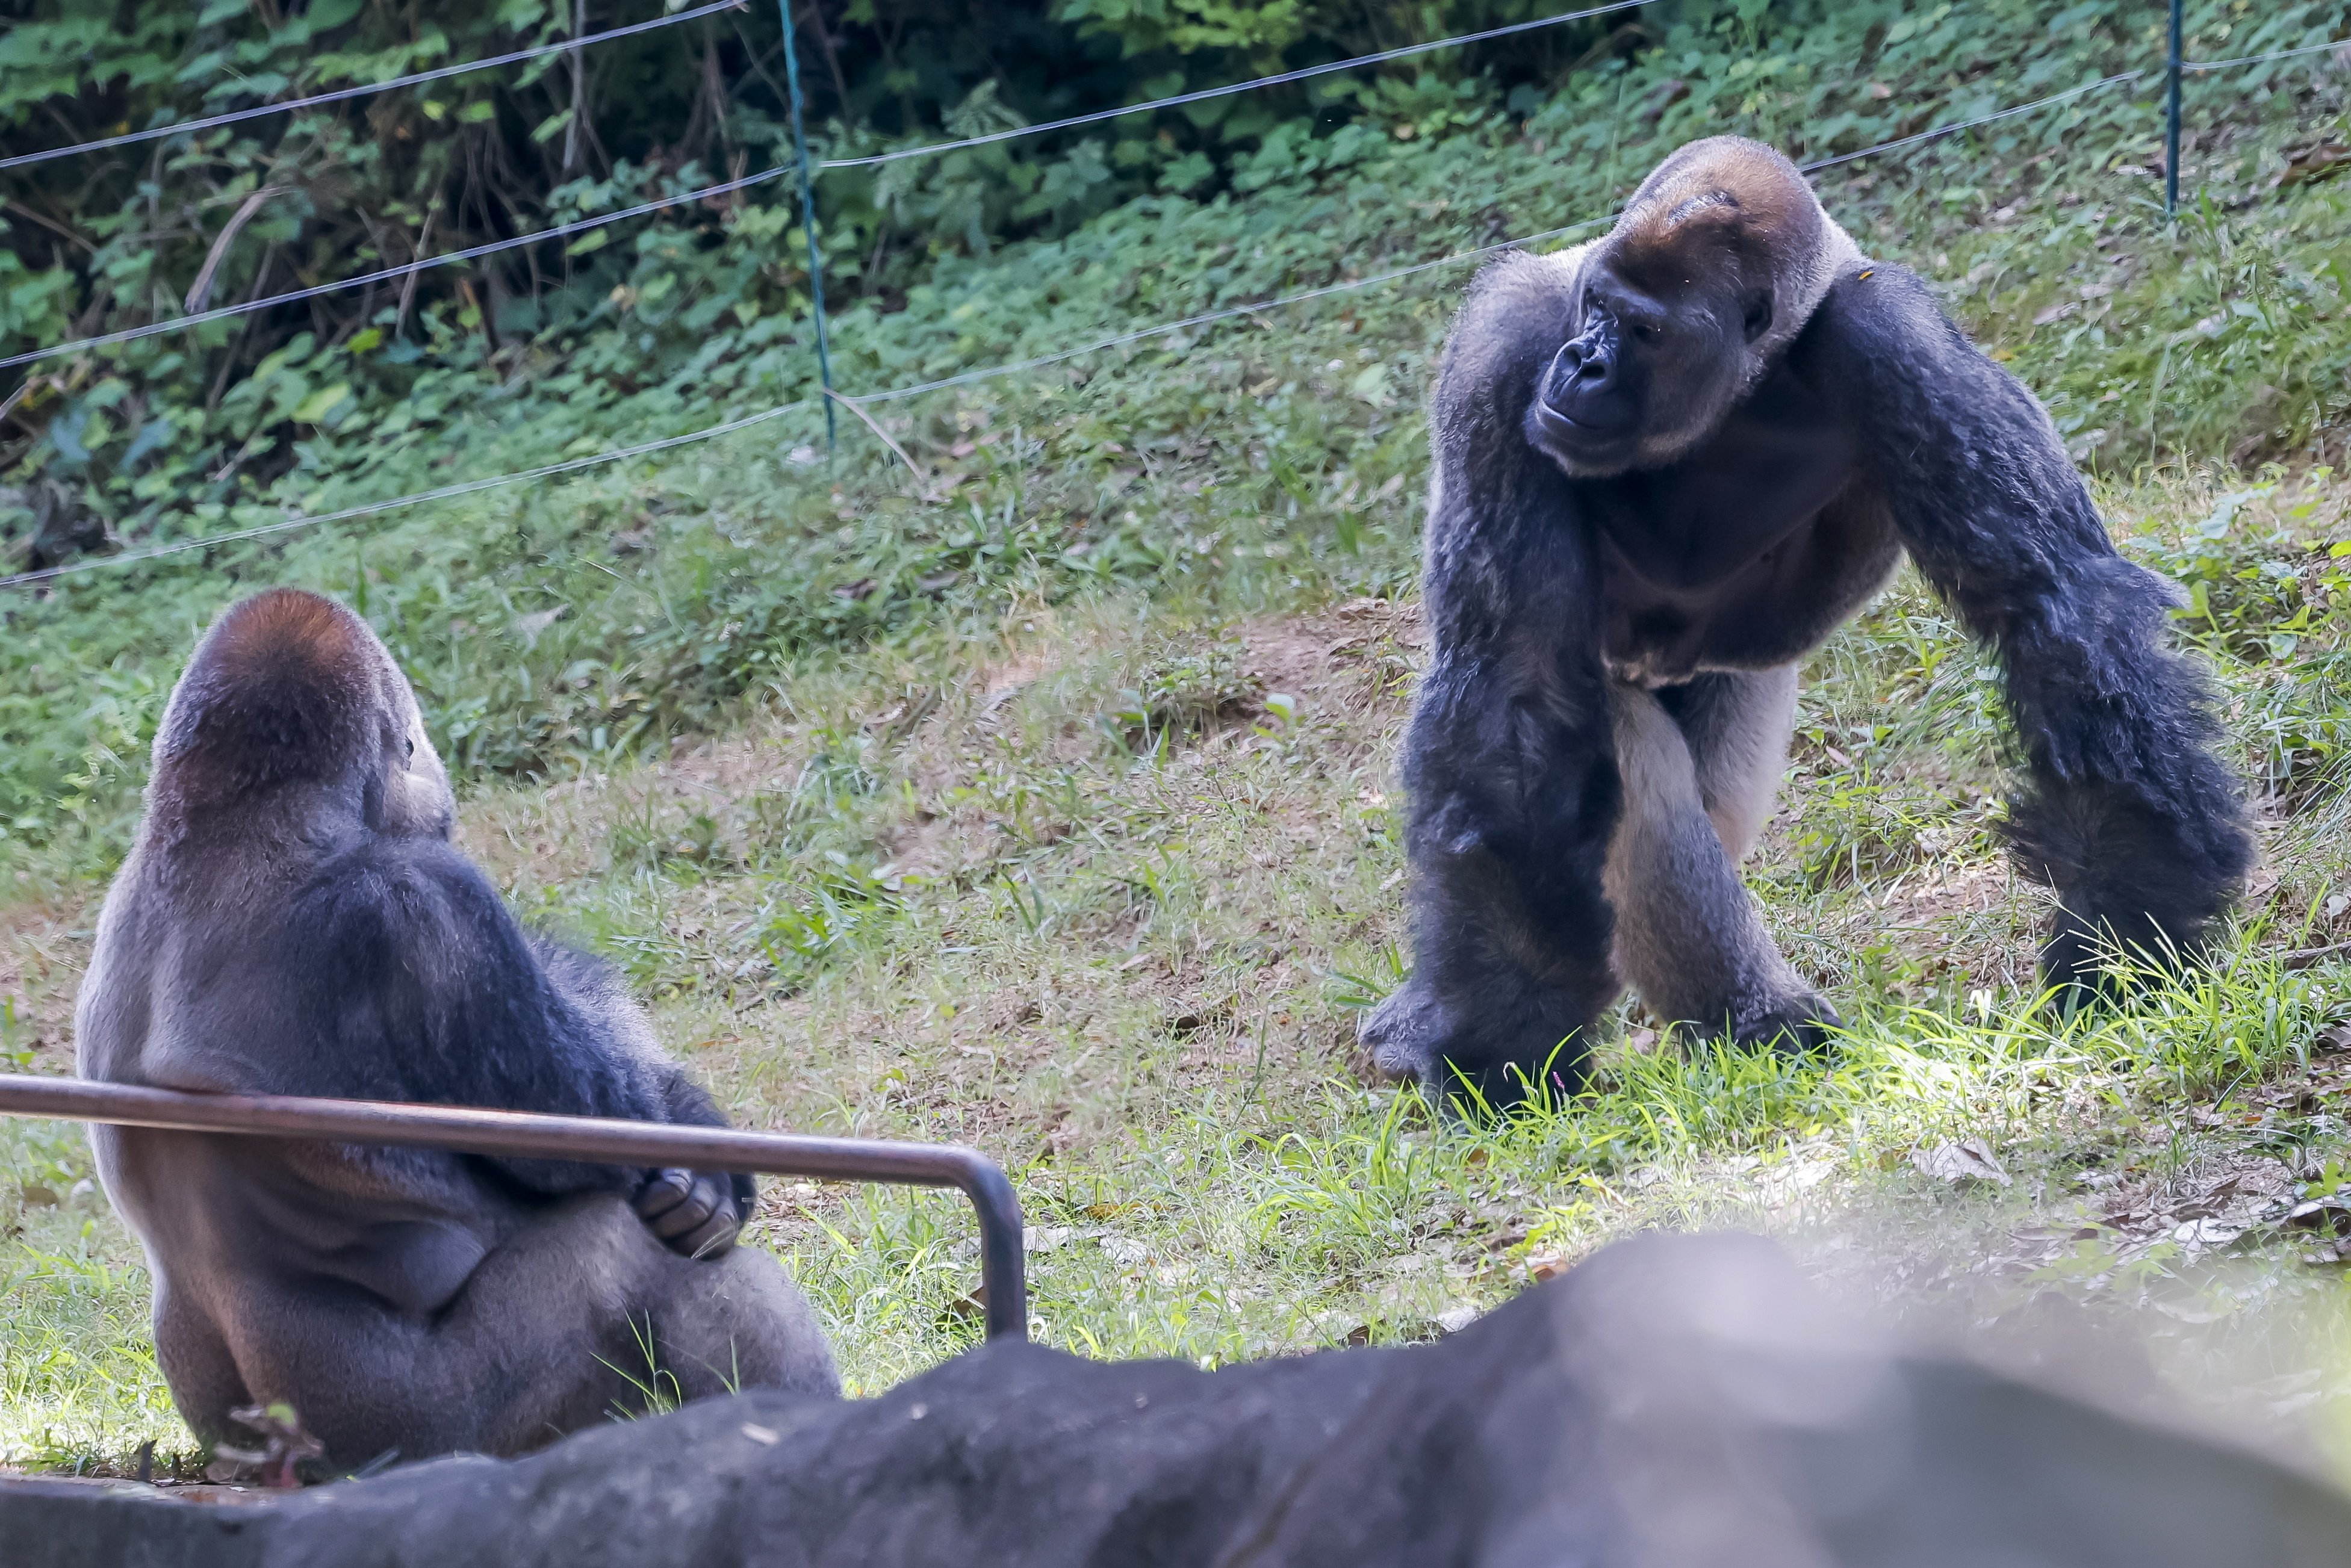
1040,796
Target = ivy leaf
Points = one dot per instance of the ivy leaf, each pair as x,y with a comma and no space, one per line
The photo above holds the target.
152,434
319,404
65,430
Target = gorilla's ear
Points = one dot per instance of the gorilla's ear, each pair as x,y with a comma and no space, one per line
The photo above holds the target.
1758,315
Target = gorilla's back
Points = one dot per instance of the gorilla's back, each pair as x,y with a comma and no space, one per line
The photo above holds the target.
296,919
281,990
406,1227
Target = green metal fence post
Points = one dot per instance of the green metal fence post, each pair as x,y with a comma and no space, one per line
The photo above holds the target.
808,222
2171,121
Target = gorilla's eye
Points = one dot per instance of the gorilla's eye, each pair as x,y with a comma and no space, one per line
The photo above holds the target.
1758,316
411,749
1647,331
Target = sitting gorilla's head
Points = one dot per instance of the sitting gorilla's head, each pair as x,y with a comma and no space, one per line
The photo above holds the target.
291,692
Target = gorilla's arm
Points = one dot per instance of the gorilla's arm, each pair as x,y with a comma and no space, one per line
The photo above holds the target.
2127,811
428,990
1509,764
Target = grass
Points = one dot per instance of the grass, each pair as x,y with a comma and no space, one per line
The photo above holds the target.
1042,797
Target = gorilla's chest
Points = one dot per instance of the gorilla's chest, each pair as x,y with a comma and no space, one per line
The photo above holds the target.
1744,554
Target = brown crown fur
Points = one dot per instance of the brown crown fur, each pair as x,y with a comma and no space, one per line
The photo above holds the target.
1723,193
287,685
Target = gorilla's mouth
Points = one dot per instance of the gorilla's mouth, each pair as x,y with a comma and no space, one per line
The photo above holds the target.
1593,418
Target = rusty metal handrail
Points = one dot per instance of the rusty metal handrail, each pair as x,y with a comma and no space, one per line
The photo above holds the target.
603,1140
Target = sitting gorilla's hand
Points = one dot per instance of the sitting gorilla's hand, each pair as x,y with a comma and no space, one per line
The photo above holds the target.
694,1213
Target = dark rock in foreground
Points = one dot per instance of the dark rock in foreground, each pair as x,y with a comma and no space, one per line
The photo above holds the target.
1672,1403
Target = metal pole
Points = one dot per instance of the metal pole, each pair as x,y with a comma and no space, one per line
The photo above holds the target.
1002,1265
2172,119
808,222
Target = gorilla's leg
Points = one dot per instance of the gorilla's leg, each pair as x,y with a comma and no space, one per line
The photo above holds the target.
733,1323
576,1316
1738,727
1689,937
197,1363
1513,792
1510,768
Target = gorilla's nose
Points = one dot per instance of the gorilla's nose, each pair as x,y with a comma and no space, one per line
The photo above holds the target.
1583,388
1585,365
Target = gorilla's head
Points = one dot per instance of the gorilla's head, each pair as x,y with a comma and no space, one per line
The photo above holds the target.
1717,263
291,691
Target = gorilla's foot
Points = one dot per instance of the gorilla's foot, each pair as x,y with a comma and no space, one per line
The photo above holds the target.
1405,1035
2085,966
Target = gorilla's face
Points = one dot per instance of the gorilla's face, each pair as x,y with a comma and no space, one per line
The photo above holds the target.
416,798
1647,372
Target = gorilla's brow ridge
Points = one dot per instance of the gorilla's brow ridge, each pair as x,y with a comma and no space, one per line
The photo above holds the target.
1689,207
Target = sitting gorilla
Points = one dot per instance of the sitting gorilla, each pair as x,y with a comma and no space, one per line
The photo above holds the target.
294,920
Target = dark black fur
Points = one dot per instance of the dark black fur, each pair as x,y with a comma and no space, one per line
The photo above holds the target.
1876,428
401,961
2126,812
1509,769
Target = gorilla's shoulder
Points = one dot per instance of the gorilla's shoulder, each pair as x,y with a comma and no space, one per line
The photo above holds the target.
395,893
1521,274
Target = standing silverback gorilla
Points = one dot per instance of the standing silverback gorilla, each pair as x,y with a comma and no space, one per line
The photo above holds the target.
1668,465
294,920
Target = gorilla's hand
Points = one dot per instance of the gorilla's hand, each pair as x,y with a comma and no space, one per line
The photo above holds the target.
1797,1024
1404,1035
693,1213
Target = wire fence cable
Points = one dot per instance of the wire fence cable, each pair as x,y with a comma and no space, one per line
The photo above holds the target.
559,231
1204,94
2194,66
189,127
729,427
422,264
446,492
967,378
1817,164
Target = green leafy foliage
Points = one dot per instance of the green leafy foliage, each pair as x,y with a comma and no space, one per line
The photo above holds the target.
155,439
667,327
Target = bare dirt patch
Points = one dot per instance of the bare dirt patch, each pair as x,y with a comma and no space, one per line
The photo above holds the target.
44,949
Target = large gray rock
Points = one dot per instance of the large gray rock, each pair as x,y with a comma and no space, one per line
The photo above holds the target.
1671,1404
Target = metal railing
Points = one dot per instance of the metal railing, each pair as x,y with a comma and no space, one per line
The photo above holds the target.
599,1140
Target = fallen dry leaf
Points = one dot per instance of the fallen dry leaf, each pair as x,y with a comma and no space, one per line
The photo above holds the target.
2316,162
1968,1160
